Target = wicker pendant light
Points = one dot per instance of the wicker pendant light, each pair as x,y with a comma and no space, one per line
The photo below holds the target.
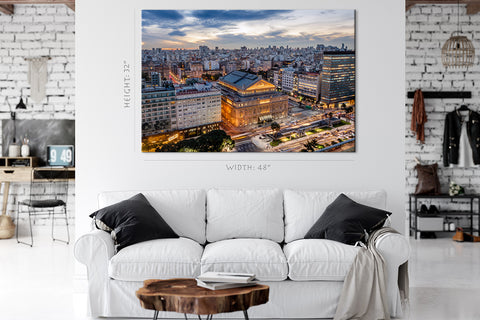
458,51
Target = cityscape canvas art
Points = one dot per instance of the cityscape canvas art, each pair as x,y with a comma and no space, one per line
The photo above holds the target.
248,81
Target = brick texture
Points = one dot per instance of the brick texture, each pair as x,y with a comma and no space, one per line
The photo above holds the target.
37,30
427,29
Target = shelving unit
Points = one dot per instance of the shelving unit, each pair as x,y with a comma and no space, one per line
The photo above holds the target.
414,211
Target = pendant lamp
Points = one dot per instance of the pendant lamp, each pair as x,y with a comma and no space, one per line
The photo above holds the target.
458,50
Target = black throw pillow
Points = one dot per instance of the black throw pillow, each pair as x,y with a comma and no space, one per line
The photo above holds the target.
132,221
346,221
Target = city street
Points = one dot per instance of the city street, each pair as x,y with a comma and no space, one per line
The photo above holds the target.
291,125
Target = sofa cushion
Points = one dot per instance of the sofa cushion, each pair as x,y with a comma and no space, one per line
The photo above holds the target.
303,208
157,259
182,210
244,214
264,258
319,259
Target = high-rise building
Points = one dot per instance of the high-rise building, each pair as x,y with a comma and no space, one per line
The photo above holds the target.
211,65
277,78
196,70
247,99
231,66
338,78
288,79
158,110
155,78
182,111
309,84
198,109
204,50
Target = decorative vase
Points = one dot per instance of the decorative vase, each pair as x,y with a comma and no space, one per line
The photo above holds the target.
14,150
7,227
25,151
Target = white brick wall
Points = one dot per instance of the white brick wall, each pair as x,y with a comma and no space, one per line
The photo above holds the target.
427,29
38,30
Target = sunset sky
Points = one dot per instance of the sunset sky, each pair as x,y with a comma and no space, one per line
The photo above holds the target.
231,29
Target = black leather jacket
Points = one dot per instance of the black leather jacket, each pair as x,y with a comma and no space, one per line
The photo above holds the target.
451,137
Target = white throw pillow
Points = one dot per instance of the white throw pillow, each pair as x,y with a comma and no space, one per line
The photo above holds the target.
303,208
182,210
245,214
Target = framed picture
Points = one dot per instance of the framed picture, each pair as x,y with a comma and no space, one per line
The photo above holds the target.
248,81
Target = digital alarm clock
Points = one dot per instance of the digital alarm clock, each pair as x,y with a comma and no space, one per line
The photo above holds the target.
60,156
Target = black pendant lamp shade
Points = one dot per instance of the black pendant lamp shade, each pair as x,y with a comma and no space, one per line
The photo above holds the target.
21,105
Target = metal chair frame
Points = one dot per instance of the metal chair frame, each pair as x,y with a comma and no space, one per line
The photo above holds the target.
52,178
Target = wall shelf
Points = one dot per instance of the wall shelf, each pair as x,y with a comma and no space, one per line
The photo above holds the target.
442,94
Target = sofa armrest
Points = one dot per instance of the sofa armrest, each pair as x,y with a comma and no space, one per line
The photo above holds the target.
395,250
94,250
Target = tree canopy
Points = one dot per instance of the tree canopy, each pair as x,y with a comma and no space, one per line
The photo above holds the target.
213,141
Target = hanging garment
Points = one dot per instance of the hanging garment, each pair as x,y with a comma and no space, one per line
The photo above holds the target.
37,77
453,133
465,156
419,116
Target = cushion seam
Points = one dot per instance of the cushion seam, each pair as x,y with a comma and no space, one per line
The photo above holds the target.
256,262
143,262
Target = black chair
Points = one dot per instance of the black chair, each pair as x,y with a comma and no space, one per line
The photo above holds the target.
48,195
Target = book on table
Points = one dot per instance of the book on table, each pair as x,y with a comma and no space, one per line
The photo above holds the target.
223,285
225,280
229,277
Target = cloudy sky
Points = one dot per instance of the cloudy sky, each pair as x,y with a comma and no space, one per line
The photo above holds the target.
231,29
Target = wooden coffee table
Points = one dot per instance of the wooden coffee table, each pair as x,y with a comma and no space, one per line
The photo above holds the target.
184,296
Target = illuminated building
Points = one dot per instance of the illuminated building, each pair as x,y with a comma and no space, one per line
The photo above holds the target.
158,110
198,109
183,111
196,70
247,99
277,78
288,79
338,77
309,85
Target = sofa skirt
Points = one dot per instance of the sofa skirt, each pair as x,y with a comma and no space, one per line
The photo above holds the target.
288,299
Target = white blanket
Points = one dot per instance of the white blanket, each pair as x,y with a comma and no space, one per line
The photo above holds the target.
364,292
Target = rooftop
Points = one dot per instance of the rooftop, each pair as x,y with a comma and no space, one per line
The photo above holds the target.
338,53
157,89
239,79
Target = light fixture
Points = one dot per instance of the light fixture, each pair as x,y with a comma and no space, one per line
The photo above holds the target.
21,105
458,51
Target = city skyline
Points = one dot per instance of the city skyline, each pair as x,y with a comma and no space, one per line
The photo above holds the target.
232,29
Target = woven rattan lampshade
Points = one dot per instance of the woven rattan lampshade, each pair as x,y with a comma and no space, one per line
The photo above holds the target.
458,52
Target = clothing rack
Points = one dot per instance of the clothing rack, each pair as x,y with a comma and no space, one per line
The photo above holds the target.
442,94
30,58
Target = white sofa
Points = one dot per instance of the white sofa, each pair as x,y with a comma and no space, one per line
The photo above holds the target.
255,231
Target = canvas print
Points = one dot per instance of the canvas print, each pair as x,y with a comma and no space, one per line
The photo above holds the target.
248,81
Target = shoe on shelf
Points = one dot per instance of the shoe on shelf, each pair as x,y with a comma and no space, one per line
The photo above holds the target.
423,209
427,235
433,209
458,235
